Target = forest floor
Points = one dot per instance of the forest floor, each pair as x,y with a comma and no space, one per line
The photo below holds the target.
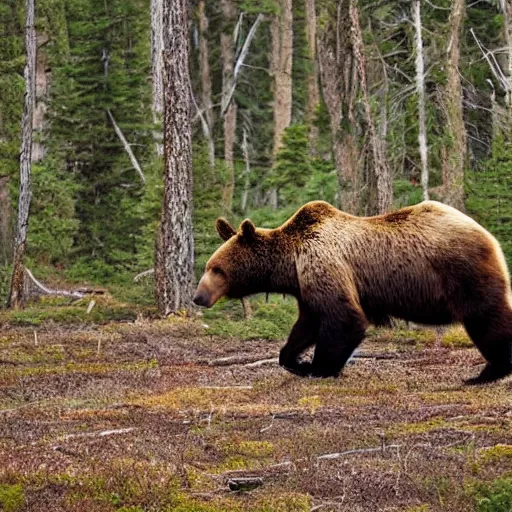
141,415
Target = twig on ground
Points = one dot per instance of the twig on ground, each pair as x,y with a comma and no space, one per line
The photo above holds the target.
234,360
337,455
48,291
104,433
261,362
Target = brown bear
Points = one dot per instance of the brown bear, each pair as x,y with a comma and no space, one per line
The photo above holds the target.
428,264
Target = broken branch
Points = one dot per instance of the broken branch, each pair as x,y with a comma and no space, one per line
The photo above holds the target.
48,291
127,147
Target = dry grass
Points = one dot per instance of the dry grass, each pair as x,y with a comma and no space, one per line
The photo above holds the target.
129,417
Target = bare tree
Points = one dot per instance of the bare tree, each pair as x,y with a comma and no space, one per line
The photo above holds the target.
174,275
157,68
506,7
378,162
206,82
455,152
313,90
420,90
16,295
228,106
339,88
281,68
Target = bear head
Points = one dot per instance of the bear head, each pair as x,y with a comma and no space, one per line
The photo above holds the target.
240,267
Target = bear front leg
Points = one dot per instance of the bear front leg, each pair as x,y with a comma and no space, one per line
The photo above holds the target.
304,334
341,331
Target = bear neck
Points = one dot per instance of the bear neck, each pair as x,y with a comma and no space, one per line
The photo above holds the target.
281,275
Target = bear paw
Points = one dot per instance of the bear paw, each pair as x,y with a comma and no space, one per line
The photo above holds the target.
490,373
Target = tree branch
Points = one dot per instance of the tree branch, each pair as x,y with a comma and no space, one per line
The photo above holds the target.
127,147
243,54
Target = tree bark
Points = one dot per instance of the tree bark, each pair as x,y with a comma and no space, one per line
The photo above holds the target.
338,80
453,172
420,91
206,81
379,162
506,7
281,68
174,273
5,221
41,97
229,121
16,294
312,81
157,69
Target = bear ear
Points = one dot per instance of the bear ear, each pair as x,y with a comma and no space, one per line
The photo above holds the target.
248,229
225,229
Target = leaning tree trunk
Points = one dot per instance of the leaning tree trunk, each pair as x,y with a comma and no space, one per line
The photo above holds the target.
16,295
281,67
379,163
456,152
312,81
420,91
157,69
174,272
229,121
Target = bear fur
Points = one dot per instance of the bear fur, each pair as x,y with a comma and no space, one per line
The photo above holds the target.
428,264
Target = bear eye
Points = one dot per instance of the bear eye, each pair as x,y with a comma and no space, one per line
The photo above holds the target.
217,270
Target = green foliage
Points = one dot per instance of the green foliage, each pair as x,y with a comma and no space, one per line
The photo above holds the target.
292,168
12,498
272,320
489,191
494,497
405,193
53,224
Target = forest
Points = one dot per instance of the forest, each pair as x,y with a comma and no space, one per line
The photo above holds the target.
127,127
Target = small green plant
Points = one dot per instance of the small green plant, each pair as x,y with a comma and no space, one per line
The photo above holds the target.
12,497
494,497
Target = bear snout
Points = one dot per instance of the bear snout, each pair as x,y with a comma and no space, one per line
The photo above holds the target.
201,299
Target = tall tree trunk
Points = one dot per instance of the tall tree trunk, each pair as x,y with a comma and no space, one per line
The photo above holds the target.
229,121
157,69
338,74
313,90
281,67
453,172
506,7
420,90
174,272
16,295
379,163
41,97
206,81
5,222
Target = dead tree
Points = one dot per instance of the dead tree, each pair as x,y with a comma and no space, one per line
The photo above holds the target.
455,151
157,69
228,108
313,90
420,91
16,295
174,273
338,76
378,157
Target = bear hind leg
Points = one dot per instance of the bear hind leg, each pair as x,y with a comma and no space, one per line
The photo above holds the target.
493,337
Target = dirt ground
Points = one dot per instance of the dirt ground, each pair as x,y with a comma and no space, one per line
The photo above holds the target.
135,417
